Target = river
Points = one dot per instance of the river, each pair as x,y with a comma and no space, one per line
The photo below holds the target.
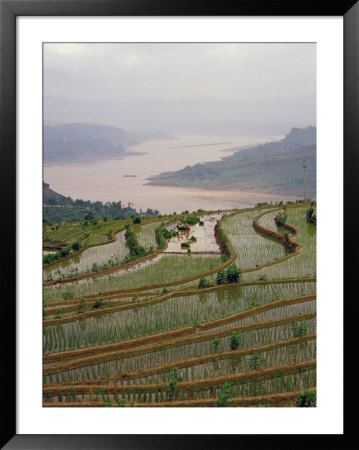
124,178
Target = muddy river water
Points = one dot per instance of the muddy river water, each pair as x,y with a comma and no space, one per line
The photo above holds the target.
125,179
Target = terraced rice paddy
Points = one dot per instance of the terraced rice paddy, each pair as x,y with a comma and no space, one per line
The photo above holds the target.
146,235
89,259
204,241
147,335
303,264
161,269
251,248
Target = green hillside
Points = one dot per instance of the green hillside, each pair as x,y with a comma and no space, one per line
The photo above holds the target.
274,167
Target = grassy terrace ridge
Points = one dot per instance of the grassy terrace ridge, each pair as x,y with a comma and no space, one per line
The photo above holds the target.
163,219
211,357
149,334
271,304
238,378
283,399
229,251
110,239
109,306
98,228
144,292
136,305
184,339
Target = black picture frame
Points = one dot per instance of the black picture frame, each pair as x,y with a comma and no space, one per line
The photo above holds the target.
9,10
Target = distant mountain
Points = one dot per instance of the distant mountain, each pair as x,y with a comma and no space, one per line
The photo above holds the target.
58,208
274,167
84,142
50,197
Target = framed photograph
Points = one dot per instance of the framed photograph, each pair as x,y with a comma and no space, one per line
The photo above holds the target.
165,167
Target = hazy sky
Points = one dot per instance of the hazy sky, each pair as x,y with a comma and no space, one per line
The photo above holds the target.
264,82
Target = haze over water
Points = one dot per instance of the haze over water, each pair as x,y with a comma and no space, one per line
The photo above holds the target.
124,179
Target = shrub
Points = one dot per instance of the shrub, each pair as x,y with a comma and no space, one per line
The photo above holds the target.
286,235
236,340
97,304
161,234
175,378
233,274
280,219
185,245
191,220
137,220
203,283
76,246
215,343
82,306
306,399
64,252
225,395
255,361
298,329
58,314
221,277
136,250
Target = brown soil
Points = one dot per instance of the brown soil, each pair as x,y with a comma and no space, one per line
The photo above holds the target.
189,362
120,353
188,386
204,326
268,400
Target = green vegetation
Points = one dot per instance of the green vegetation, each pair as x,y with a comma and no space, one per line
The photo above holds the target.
298,329
225,395
236,340
233,274
203,283
145,334
274,166
280,219
311,214
306,399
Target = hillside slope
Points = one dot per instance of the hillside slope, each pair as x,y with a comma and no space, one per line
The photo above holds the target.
78,142
274,167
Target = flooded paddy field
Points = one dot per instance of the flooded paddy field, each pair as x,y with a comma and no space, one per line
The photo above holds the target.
137,337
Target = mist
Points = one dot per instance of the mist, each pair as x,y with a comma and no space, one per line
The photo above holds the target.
182,88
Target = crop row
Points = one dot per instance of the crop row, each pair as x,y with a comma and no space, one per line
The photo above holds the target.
160,270
205,310
161,357
212,361
188,386
120,350
304,263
